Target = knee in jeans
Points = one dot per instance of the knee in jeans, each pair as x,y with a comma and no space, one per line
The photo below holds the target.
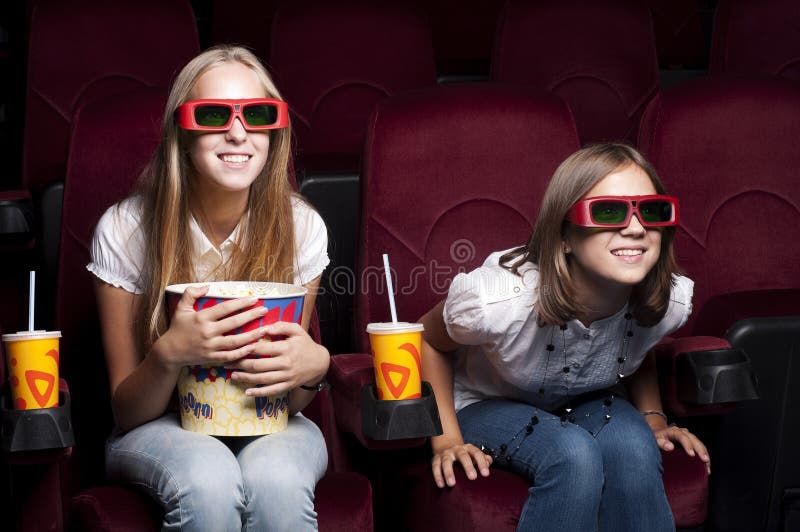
283,487
638,451
576,459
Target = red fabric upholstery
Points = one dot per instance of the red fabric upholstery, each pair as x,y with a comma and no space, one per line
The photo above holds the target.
334,60
686,484
83,49
600,57
104,162
756,37
728,149
469,163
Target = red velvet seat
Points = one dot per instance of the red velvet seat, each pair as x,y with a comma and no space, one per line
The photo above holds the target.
103,164
600,57
80,50
753,37
83,49
729,149
334,60
449,175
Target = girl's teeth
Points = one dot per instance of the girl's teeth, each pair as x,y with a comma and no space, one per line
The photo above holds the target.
235,158
627,252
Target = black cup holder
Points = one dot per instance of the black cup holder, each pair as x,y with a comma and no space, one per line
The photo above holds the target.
398,420
715,376
35,430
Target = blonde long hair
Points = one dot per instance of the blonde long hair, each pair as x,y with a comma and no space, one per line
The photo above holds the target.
556,301
266,237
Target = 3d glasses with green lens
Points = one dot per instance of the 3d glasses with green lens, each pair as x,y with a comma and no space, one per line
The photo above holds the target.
256,114
653,210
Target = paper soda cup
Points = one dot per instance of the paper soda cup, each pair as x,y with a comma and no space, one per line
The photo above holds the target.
32,360
396,358
209,401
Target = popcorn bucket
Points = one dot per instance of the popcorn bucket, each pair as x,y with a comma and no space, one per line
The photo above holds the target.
212,403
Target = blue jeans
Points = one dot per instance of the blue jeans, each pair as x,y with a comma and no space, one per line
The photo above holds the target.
596,473
228,484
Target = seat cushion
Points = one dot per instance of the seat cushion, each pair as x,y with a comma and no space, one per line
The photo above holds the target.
495,503
343,503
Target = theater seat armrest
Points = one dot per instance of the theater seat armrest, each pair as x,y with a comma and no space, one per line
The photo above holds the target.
348,374
16,220
667,354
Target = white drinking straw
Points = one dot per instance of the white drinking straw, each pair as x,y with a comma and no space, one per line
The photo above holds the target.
389,287
31,298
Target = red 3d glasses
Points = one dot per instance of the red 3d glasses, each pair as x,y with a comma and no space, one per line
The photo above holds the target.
256,114
654,210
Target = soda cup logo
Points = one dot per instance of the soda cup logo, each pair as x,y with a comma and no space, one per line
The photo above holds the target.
40,384
396,376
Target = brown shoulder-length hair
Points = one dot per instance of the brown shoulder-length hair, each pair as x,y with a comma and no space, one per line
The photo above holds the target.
266,236
556,301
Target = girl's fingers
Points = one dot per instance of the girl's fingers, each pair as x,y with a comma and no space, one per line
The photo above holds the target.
465,459
664,443
447,469
285,328
190,295
227,307
436,468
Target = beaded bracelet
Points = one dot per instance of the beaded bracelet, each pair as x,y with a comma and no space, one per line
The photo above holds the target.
656,413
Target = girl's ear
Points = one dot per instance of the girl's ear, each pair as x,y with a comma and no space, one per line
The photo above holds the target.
565,247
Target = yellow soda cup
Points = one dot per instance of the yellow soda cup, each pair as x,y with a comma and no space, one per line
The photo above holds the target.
32,360
396,358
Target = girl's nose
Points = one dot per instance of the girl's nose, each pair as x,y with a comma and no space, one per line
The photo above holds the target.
237,132
634,228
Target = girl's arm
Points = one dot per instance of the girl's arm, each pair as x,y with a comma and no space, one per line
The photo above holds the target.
142,386
291,362
643,390
437,369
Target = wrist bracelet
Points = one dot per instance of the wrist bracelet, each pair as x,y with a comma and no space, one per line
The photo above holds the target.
656,413
315,388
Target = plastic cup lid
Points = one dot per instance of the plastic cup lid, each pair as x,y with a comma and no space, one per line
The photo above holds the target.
31,335
392,328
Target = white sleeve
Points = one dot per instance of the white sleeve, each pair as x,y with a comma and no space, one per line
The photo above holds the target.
310,243
680,305
464,310
117,249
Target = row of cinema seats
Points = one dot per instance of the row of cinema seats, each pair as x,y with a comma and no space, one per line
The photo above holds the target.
730,292
726,147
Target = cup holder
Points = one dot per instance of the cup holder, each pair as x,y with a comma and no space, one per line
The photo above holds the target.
715,376
35,430
398,420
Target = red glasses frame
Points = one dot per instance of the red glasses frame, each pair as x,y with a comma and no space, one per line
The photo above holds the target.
185,114
581,212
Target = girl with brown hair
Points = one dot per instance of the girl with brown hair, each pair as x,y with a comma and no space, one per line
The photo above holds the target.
541,358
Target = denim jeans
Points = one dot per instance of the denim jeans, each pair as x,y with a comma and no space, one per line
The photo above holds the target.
223,484
600,472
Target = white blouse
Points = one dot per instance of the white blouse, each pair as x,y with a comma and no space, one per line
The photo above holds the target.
118,246
504,351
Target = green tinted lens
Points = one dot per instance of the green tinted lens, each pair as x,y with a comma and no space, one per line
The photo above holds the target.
609,212
212,115
656,211
260,115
